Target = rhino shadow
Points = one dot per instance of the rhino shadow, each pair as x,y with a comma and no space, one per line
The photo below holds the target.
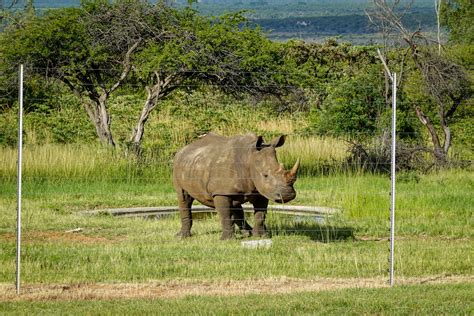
316,232
292,226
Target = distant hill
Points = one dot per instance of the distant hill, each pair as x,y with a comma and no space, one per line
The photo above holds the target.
311,20
41,4
315,20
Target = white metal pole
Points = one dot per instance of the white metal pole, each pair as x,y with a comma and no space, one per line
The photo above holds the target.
20,149
393,177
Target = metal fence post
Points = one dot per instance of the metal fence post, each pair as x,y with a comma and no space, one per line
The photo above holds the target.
393,78
393,177
19,165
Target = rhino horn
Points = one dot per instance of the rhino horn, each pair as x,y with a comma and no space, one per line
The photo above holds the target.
294,170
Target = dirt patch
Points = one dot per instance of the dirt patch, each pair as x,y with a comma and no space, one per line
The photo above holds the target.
177,289
31,237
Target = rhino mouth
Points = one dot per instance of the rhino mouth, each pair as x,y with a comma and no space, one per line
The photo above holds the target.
284,197
283,201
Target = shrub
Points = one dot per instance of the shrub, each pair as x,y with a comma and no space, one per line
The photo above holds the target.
352,108
9,127
375,155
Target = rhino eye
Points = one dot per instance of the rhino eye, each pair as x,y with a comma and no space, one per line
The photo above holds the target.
265,175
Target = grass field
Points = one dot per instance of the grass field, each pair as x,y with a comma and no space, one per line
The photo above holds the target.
453,299
434,242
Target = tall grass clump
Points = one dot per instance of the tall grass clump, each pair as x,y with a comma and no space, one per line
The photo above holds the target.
176,125
93,162
76,162
318,155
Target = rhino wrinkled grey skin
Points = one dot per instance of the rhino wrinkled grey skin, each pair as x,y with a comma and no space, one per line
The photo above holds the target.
225,172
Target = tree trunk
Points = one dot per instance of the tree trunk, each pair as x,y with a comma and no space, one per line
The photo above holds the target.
153,95
440,150
98,115
106,133
440,153
95,95
155,92
447,139
139,130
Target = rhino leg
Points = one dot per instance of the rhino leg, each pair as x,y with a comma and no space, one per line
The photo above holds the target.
238,218
260,208
185,201
223,206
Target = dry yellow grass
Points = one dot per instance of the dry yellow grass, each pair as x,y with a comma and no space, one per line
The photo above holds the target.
68,160
75,160
315,148
182,288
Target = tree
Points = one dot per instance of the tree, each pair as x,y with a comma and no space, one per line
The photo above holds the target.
445,81
457,16
222,52
95,49
128,26
89,49
343,82
351,108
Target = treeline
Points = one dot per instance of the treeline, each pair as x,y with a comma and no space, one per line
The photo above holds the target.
280,9
314,19
118,63
339,24
285,19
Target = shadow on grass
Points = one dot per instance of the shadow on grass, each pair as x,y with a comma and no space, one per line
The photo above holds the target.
320,233
316,232
313,227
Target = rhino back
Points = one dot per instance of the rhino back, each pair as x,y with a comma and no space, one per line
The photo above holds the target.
214,165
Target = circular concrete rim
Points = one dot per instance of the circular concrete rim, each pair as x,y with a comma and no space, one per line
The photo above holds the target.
168,210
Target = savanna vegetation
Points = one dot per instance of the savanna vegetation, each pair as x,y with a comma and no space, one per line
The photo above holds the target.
113,90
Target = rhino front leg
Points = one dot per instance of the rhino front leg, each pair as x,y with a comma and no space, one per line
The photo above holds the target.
238,218
185,202
260,208
223,206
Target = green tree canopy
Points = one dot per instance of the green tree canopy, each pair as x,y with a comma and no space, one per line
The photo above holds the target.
458,16
94,49
224,52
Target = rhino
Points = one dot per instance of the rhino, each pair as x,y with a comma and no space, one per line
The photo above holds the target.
225,172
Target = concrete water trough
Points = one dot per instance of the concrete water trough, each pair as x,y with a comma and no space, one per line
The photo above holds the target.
300,213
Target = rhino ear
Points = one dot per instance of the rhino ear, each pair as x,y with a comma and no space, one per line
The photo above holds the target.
260,143
278,141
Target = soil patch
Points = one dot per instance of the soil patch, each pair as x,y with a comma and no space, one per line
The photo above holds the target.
182,288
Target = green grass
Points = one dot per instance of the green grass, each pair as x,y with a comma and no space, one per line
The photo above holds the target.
433,229
438,204
159,259
56,163
406,300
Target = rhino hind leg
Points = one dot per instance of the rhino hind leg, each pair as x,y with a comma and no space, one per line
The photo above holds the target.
238,218
185,202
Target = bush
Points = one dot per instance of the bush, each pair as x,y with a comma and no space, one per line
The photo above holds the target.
352,108
9,127
375,155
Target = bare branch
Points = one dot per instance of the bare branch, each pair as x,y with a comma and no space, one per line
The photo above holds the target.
387,70
444,80
127,67
438,4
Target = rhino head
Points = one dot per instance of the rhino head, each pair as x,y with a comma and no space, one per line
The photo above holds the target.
268,175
